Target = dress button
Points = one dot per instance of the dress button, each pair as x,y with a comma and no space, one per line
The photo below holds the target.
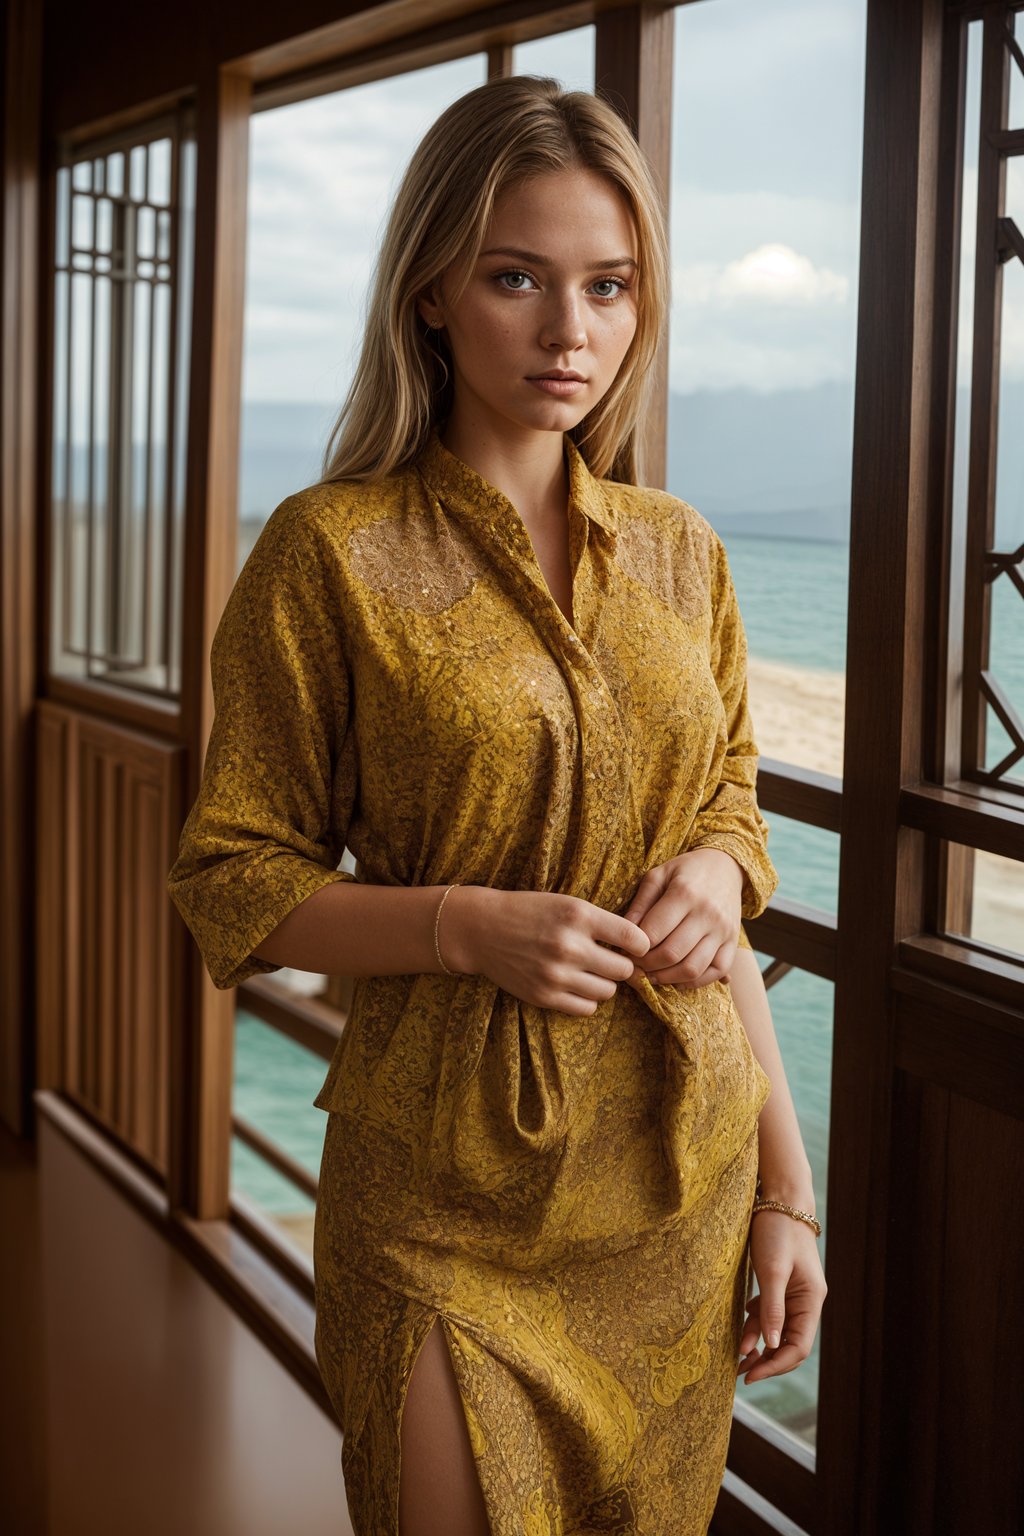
606,768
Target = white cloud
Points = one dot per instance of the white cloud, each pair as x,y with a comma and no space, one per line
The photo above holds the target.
770,274
776,274
769,317
702,356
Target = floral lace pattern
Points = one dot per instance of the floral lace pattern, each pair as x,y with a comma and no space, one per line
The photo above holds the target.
569,1196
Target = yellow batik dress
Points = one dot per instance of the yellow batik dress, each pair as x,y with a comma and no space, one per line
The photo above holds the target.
570,1195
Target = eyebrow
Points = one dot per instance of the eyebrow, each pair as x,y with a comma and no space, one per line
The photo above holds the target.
545,261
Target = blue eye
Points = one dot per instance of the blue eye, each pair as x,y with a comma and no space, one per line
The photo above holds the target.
621,284
500,275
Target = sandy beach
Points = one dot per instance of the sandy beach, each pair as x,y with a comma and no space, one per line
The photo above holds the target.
797,713
798,718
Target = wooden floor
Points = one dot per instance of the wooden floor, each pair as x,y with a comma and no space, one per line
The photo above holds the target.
63,1494
133,1398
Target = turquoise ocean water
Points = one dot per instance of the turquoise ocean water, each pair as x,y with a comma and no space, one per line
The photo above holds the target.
792,595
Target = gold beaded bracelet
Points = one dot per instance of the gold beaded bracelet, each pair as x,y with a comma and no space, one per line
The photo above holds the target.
789,1210
437,919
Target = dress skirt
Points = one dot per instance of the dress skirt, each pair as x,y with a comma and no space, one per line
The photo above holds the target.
598,1393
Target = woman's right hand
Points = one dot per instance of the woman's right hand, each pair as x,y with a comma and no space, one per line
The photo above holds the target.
546,948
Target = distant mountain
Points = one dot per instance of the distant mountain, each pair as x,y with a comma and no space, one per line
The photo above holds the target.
734,451
777,464
282,451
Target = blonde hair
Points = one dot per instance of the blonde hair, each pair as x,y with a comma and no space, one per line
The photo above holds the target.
512,128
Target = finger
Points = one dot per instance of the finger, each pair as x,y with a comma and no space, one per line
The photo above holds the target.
622,933
725,955
611,964
689,968
775,1362
752,1328
773,1311
713,973
646,894
795,1343
674,933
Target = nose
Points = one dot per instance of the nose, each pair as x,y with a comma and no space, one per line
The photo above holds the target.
564,327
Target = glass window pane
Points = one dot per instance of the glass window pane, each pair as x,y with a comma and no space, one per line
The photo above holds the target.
1006,638
322,174
796,641
807,859
1015,25
802,1008
1009,528
566,56
160,171
965,323
765,228
991,907
275,1083
1006,668
117,499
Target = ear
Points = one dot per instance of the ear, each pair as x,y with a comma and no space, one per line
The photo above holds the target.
428,308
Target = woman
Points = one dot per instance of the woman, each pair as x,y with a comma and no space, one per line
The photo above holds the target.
513,683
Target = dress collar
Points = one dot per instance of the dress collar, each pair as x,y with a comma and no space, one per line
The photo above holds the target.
452,478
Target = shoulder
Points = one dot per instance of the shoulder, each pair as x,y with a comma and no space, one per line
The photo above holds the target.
660,511
335,506
323,516
668,544
297,564
310,529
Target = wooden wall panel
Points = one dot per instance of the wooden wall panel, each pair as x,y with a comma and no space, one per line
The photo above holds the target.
956,1257
20,94
109,808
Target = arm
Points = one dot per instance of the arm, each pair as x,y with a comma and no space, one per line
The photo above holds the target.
729,817
783,1251
784,1166
693,903
377,930
256,877
267,828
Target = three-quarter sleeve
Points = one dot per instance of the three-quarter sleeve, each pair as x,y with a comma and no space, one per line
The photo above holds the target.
268,825
729,817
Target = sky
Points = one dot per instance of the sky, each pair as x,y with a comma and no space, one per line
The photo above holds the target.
764,209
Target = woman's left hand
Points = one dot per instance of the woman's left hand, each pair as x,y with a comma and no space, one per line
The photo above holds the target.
784,1257
689,908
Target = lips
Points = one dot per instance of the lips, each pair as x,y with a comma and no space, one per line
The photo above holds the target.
557,386
577,377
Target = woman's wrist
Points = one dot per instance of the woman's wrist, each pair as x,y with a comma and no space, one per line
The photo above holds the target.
456,929
791,1186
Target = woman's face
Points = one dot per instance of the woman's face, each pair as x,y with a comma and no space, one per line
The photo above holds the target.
553,289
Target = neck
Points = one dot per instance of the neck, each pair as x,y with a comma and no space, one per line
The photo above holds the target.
529,468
